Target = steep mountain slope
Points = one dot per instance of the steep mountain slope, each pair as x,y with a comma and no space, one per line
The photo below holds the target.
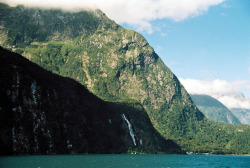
117,64
110,61
242,114
214,110
239,105
44,113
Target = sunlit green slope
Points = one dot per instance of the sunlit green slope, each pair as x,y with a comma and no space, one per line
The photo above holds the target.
117,65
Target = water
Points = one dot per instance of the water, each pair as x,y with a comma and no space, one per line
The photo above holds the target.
124,161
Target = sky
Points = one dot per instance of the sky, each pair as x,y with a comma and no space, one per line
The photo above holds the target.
209,52
206,43
211,46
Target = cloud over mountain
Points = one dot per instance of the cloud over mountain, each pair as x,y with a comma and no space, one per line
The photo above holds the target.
227,93
138,13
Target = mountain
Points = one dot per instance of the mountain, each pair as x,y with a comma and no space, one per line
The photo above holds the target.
116,64
112,62
43,113
242,114
238,104
214,110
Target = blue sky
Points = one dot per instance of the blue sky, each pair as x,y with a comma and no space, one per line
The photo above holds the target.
206,43
213,45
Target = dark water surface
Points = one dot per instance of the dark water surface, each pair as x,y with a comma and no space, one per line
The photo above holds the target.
124,161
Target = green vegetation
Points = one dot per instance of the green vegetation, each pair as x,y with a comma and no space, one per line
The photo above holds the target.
118,65
57,57
44,113
219,138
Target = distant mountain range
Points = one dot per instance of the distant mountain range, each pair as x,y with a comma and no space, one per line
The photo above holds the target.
214,110
239,105
242,114
141,106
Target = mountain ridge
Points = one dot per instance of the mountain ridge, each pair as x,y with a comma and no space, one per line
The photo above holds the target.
118,64
242,114
213,109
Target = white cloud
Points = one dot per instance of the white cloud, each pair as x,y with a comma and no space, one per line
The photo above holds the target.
229,93
195,86
232,101
138,13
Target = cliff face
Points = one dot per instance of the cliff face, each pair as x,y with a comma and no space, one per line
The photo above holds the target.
112,62
45,113
117,65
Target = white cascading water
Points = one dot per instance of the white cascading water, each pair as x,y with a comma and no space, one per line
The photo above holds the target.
132,134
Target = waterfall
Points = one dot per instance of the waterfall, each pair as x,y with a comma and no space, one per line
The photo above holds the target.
33,89
132,134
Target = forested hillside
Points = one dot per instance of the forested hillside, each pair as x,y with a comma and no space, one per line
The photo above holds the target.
43,113
117,64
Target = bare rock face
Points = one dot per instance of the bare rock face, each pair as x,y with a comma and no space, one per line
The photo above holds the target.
43,113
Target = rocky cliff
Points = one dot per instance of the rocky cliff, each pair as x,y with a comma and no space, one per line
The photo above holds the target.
115,64
112,62
43,113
